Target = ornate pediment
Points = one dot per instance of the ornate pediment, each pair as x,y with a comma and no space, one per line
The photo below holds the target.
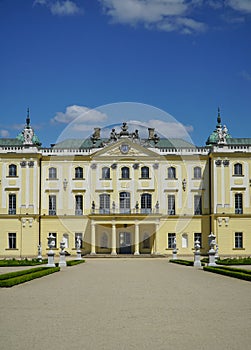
124,149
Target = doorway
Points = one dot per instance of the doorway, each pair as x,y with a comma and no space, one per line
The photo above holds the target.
125,243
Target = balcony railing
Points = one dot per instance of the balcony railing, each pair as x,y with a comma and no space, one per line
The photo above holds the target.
79,212
52,212
12,211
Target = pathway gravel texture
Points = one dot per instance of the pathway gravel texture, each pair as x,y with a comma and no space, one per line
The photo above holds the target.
127,304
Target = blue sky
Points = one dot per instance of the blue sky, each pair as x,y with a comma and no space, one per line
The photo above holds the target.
62,58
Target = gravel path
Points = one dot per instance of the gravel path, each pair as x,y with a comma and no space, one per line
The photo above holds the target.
124,304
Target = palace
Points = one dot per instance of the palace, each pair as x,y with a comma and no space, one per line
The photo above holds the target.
124,194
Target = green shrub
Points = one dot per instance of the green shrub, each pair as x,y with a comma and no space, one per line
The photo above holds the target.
74,262
6,276
181,262
26,262
234,261
231,272
28,276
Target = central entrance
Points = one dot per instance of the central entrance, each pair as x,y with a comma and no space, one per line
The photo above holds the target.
125,243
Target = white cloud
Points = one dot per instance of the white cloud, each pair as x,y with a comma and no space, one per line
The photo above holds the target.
80,114
4,133
166,15
240,5
245,75
169,129
60,7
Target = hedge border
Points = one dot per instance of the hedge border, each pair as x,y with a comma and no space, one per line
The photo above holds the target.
28,276
184,262
230,272
74,262
10,263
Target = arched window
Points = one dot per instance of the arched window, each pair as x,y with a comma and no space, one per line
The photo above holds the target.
104,203
125,172
171,172
104,240
238,169
105,173
78,173
146,203
12,170
52,173
146,241
145,172
197,172
124,202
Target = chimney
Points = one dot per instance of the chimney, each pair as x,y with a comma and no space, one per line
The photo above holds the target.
151,133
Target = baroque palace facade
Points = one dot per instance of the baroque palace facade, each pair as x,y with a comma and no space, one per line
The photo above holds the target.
124,194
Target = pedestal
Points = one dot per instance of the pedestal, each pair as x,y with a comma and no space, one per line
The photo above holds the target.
79,257
197,261
62,261
174,254
211,255
50,255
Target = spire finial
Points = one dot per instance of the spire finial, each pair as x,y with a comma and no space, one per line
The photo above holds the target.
28,117
219,117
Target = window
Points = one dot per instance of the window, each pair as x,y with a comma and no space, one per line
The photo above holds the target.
54,235
78,173
124,202
125,172
145,172
12,170
197,237
104,203
171,204
52,205
171,173
12,204
79,204
197,172
238,169
171,240
12,238
105,173
146,203
104,240
146,241
52,173
238,240
238,203
79,236
197,205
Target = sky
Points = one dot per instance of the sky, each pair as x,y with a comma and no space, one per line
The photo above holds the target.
168,64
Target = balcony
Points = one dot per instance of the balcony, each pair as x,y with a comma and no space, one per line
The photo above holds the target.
12,211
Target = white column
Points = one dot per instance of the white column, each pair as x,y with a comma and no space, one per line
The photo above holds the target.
156,237
93,238
113,239
136,241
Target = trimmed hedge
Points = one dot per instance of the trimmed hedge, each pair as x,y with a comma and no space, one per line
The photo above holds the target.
181,262
234,261
74,262
26,262
6,276
231,272
25,276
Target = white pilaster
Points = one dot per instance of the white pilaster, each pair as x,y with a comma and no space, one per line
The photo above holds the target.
156,237
113,239
93,238
136,242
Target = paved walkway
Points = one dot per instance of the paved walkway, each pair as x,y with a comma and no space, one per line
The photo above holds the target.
124,304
